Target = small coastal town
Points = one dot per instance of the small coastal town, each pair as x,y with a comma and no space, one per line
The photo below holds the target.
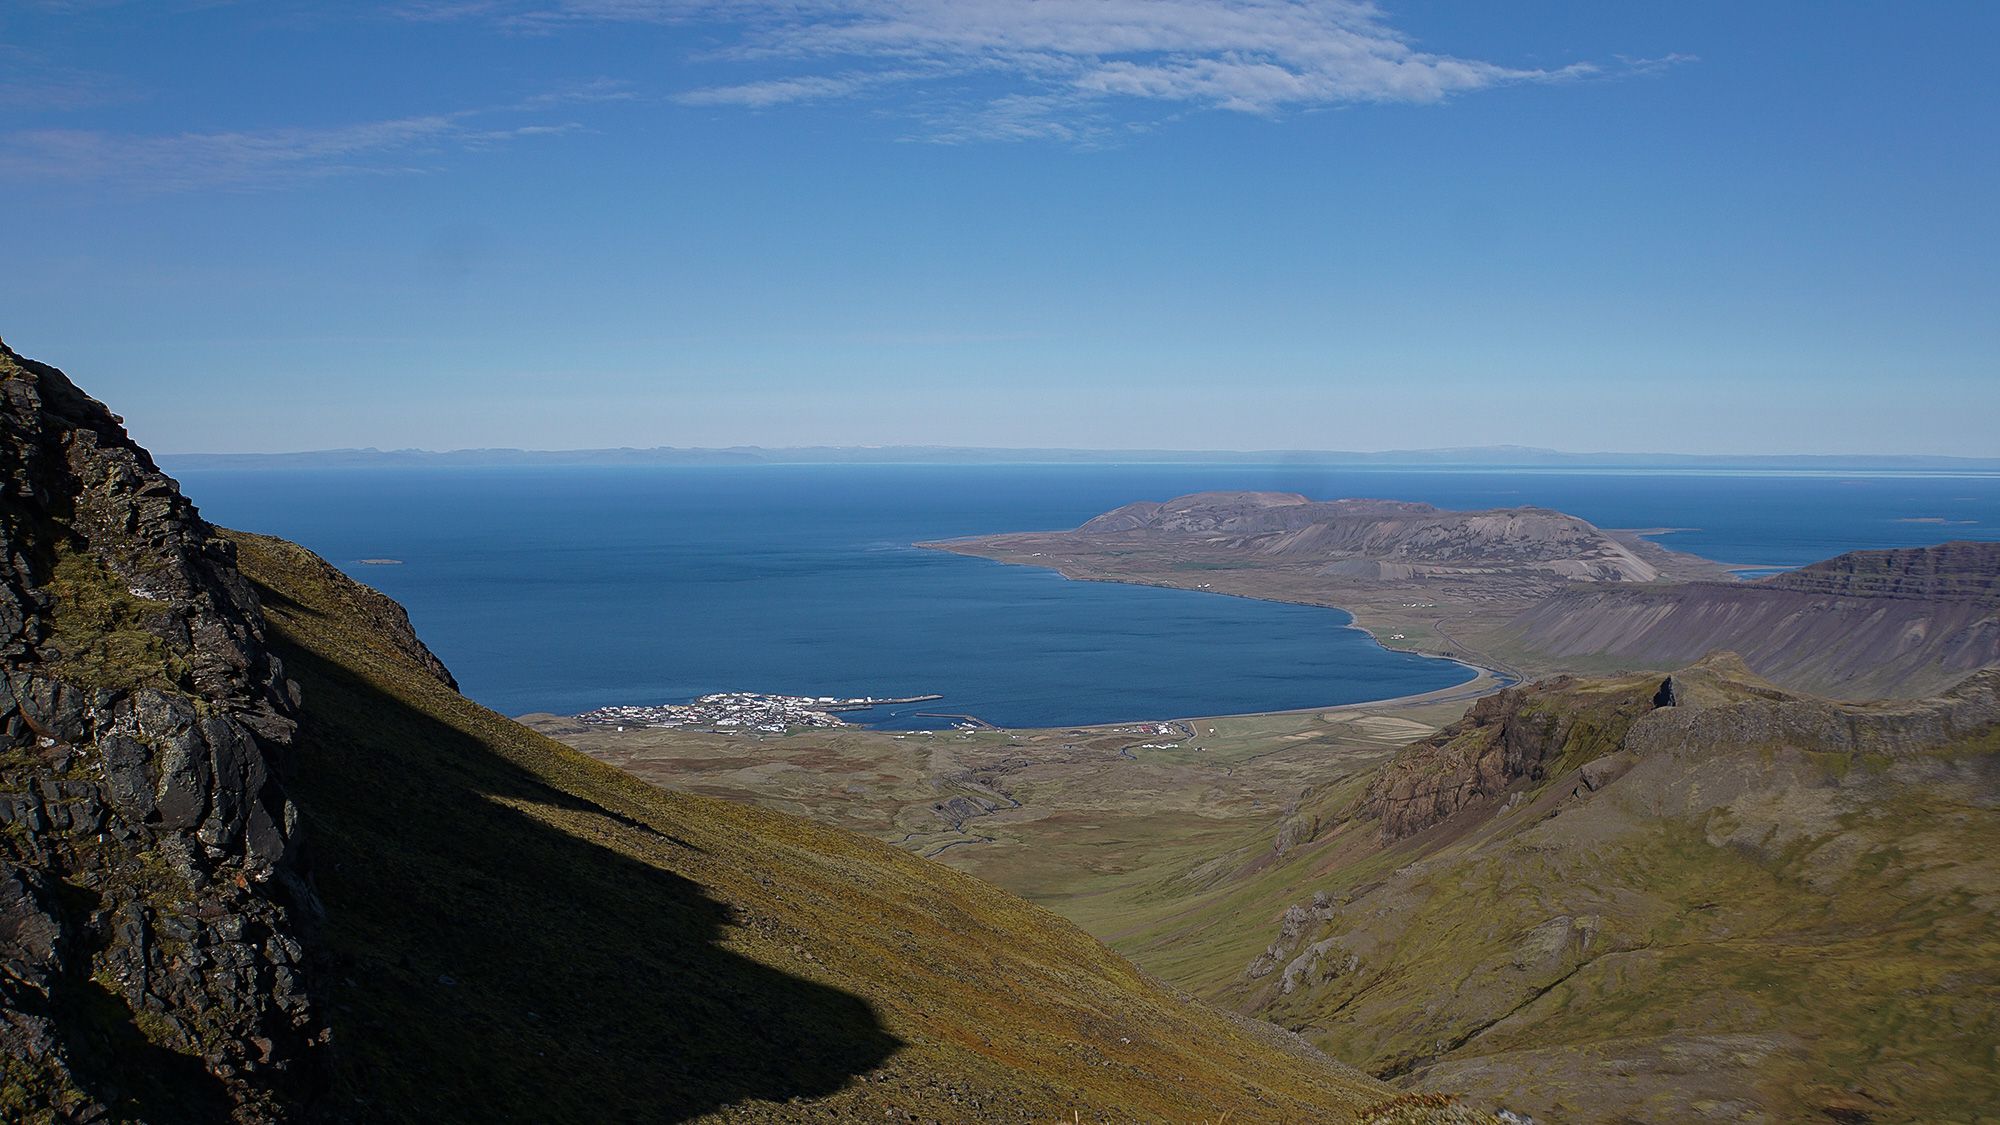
743,711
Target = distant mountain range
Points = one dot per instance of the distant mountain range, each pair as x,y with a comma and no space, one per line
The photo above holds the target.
1488,456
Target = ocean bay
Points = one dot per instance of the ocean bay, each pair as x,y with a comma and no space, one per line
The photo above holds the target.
563,589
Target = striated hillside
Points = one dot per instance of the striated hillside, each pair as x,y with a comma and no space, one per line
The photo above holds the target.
1864,624
1958,571
262,862
1529,592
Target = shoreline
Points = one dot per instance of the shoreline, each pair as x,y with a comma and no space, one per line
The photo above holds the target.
1489,675
1482,668
1486,678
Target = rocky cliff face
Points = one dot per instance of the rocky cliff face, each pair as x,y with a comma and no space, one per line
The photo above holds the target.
151,961
1520,734
1526,735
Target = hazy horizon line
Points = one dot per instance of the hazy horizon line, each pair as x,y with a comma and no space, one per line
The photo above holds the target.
1502,455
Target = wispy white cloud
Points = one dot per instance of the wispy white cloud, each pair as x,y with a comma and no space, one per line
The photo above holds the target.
783,91
1053,68
1018,117
251,158
1659,65
32,83
594,92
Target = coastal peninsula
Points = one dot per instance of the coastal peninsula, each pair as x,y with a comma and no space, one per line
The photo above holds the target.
1531,592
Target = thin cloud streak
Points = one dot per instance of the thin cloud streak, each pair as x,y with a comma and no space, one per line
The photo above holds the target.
597,91
248,159
786,91
33,84
1071,64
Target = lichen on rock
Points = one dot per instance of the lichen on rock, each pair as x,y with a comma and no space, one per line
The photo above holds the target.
152,956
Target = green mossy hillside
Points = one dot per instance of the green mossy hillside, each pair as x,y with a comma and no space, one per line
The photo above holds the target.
1747,905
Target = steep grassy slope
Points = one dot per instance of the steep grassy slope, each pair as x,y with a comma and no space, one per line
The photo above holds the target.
517,932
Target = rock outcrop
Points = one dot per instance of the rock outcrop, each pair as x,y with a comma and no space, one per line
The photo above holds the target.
1520,734
1526,735
152,962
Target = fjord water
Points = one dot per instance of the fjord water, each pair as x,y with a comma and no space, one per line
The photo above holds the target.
562,589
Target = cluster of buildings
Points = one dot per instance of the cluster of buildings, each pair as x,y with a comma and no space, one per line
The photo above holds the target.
733,711
727,711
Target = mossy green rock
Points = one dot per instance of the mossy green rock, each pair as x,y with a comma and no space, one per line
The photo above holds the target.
152,956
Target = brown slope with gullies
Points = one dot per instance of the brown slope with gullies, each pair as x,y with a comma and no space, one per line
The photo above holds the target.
1865,624
1636,899
152,963
501,928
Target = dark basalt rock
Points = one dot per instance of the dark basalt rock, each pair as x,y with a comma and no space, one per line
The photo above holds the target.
152,956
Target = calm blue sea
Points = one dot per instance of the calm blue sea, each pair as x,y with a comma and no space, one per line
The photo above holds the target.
562,589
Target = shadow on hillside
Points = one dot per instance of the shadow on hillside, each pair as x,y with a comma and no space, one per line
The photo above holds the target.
484,966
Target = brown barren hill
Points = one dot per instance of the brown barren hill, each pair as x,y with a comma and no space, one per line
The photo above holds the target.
1381,538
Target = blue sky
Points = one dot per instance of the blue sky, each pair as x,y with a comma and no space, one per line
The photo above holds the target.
1700,227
